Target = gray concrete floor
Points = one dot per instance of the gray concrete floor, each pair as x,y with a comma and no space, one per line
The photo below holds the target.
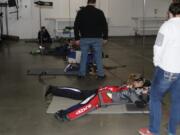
22,106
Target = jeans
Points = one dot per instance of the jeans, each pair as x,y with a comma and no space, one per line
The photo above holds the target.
96,45
162,83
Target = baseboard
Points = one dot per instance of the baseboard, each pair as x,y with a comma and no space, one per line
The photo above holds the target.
10,37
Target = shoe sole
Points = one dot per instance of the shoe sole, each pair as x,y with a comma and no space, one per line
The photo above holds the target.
140,133
58,118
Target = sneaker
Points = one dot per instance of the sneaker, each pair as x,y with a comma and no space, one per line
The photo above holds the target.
145,131
68,68
80,77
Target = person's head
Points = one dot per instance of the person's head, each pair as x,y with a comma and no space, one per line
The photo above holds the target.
93,2
174,9
43,28
176,1
135,81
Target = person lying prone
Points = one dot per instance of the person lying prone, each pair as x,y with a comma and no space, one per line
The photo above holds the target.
136,91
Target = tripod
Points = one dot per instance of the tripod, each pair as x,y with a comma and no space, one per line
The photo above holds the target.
1,25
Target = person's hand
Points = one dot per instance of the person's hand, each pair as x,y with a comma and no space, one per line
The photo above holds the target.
109,94
77,42
140,104
145,90
104,41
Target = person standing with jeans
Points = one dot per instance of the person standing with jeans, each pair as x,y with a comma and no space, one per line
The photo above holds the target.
90,29
167,74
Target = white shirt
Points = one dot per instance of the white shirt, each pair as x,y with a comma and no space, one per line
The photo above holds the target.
167,46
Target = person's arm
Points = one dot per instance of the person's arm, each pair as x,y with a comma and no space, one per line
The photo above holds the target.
47,34
77,27
104,27
140,104
135,98
39,34
161,40
157,49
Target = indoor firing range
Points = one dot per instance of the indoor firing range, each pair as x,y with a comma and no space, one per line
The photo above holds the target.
29,65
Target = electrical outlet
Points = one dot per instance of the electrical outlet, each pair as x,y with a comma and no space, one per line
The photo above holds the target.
155,11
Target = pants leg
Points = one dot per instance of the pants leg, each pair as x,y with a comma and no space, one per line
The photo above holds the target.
160,85
84,45
174,118
71,92
82,108
97,48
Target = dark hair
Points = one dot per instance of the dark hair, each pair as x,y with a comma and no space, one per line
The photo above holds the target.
134,77
174,8
176,1
91,1
43,27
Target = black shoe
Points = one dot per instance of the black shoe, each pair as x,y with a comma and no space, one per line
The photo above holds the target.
80,77
101,77
56,115
60,116
48,91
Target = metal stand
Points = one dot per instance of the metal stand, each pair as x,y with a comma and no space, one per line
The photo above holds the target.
5,5
1,24
6,14
41,4
40,24
143,38
69,18
15,3
7,36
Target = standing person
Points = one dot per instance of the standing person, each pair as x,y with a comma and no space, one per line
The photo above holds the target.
90,29
167,74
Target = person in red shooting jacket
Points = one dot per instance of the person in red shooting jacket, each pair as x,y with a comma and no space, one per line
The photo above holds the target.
136,91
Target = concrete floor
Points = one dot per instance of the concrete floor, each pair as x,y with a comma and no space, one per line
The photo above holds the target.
22,106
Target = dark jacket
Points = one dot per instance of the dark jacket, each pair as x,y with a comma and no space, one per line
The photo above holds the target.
90,22
44,37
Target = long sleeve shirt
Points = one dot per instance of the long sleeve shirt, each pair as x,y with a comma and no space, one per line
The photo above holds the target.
90,22
167,46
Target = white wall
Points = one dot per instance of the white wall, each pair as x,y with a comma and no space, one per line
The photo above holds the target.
122,11
23,26
119,12
120,17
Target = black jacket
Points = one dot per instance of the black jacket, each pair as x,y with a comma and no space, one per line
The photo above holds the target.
90,22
